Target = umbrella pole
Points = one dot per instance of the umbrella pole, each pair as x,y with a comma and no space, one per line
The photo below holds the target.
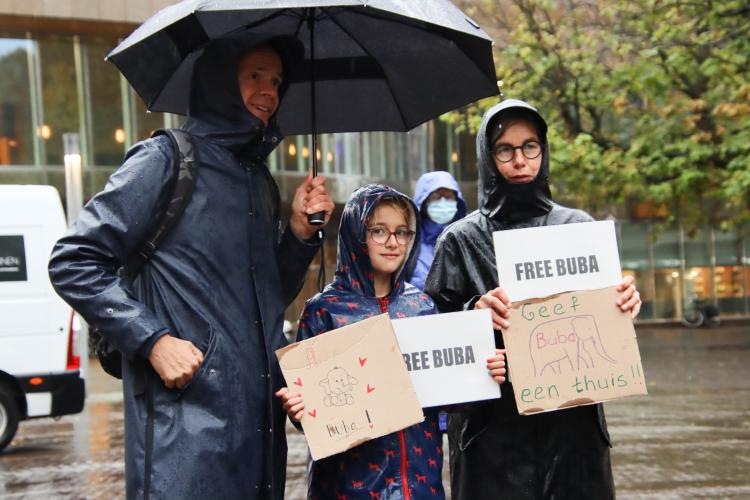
317,219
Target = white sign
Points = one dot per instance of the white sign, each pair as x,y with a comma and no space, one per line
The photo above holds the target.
538,262
446,356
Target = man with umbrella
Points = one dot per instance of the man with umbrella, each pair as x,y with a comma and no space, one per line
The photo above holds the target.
199,325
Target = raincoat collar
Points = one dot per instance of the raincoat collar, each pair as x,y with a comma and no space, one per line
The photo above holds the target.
353,267
499,199
426,184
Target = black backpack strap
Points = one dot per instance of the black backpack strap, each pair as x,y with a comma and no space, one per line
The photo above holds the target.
185,177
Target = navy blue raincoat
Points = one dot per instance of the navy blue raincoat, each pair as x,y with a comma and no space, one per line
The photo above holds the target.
405,464
427,183
221,279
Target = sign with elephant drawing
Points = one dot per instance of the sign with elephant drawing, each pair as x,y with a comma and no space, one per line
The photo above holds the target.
572,349
354,384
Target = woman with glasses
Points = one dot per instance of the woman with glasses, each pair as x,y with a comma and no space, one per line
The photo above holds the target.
495,453
379,227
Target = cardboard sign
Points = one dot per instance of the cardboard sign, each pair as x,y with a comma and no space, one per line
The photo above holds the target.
354,385
541,261
572,349
446,356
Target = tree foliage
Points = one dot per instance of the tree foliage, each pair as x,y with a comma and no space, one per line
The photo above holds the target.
648,100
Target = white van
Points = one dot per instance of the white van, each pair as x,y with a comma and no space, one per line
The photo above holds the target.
40,366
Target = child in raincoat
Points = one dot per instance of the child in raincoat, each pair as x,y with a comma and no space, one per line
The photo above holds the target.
379,227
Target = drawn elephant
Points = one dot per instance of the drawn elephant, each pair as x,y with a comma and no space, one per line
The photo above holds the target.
566,342
338,386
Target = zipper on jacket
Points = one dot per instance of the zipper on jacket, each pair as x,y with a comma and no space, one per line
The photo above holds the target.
383,302
404,464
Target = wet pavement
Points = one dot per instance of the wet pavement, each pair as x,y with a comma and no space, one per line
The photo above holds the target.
689,438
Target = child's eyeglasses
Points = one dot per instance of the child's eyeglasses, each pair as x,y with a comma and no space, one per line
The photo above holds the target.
381,235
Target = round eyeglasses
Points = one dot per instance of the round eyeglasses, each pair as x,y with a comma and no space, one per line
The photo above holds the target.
505,152
381,235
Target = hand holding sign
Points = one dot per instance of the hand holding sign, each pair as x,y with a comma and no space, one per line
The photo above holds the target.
496,366
498,302
630,300
292,402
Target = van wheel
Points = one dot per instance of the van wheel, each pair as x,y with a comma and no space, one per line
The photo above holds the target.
9,417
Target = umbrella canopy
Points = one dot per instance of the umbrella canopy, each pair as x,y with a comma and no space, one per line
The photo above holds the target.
377,65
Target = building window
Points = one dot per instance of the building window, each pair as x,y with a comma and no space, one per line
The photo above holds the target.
635,261
16,143
728,276
668,296
698,251
109,137
59,111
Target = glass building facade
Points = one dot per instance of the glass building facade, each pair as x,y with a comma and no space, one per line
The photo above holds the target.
54,80
51,84
673,268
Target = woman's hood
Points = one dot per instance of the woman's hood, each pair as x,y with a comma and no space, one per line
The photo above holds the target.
432,181
499,199
353,268
216,109
428,183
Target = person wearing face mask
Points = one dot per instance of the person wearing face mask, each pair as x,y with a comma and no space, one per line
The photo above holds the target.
440,203
495,452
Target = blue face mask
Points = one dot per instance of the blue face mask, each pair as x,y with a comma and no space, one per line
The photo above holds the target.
442,211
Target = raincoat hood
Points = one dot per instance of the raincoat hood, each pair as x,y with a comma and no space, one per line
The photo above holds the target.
216,109
353,267
498,198
427,183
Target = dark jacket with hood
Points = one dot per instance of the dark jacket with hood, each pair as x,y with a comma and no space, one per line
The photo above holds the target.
494,452
427,183
410,459
221,279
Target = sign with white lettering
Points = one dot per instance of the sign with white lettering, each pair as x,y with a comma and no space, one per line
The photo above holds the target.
12,258
572,349
446,355
539,261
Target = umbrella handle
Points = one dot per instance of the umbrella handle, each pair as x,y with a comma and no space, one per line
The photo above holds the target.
316,219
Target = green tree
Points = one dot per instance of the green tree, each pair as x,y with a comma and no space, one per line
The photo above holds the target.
648,100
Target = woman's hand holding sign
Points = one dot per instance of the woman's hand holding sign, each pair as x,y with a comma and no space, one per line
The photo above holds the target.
630,300
497,301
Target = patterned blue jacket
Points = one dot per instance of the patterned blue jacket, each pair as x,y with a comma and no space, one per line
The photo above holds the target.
403,465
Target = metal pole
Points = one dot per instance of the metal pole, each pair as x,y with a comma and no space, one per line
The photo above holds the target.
73,180
73,205
316,219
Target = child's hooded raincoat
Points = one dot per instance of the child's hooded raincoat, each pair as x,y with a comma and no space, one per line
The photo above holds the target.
405,464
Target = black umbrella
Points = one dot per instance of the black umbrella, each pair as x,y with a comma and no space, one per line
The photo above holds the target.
377,65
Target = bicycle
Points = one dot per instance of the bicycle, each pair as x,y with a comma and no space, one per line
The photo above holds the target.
701,313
